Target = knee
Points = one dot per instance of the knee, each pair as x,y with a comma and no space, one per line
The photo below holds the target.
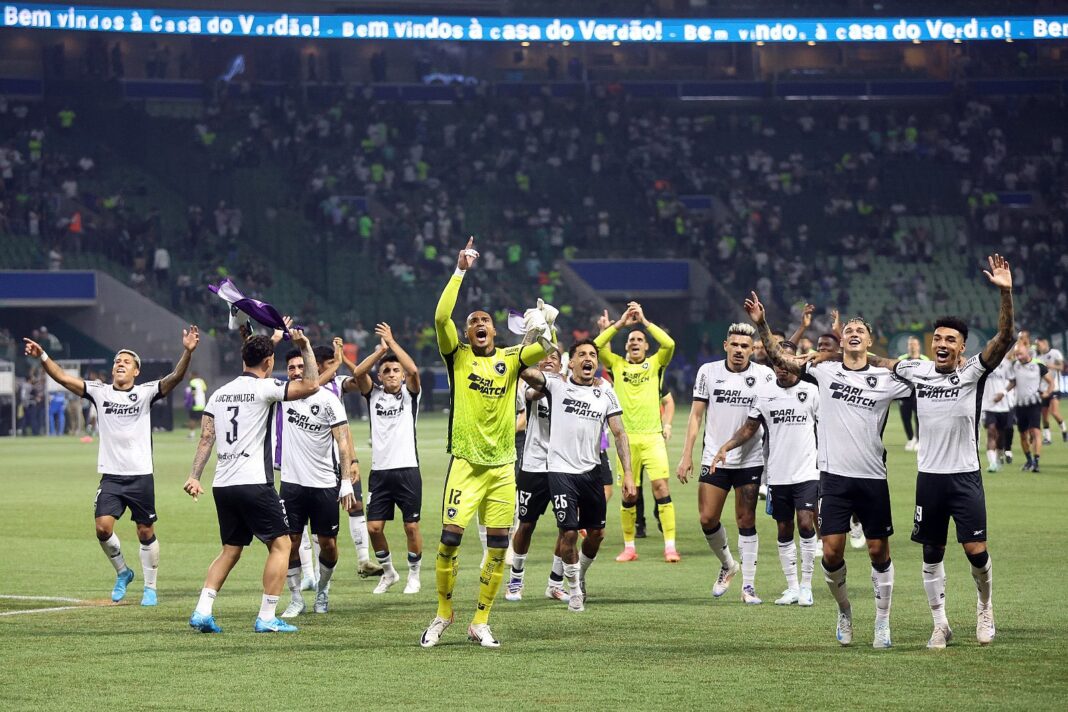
451,538
709,523
746,520
660,489
933,554
145,532
375,528
357,509
878,550
103,531
568,537
411,529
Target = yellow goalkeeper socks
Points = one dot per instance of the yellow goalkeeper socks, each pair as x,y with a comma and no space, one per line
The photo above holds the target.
445,568
667,518
488,583
629,518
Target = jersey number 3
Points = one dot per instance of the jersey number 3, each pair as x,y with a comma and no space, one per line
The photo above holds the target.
231,434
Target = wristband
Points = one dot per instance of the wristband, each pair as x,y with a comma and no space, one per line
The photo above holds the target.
459,272
44,357
346,489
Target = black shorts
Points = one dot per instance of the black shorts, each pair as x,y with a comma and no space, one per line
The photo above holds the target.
842,497
1028,417
941,496
605,470
578,500
196,415
784,500
1000,420
400,488
315,504
247,510
520,443
117,492
727,477
532,495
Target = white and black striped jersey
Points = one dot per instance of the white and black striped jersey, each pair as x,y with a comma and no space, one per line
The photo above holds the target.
997,381
729,396
243,411
789,417
310,456
393,420
1030,387
578,415
853,409
948,407
125,423
536,446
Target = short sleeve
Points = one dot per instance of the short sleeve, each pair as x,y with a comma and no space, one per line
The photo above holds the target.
151,390
1042,370
331,412
209,407
93,390
810,373
520,398
973,369
906,368
613,402
754,409
700,388
272,389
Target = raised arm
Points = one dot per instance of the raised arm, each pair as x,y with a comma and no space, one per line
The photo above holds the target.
74,384
693,425
741,436
615,424
310,382
1000,275
756,312
361,375
385,333
448,338
190,339
192,485
534,377
328,373
806,322
603,340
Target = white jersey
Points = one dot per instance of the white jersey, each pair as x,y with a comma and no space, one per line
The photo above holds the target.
242,411
996,382
947,407
393,419
729,396
309,453
1030,386
578,415
337,387
536,446
125,423
789,417
1052,360
853,409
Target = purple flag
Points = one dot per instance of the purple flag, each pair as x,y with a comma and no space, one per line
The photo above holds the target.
262,312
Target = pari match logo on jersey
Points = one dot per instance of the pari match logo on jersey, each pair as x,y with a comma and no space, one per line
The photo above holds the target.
853,395
583,409
390,411
122,409
304,422
939,392
487,386
788,416
734,396
634,377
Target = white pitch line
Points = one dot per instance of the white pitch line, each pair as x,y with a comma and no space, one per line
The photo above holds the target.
44,610
61,599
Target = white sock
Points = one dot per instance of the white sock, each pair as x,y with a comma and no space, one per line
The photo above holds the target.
293,580
482,537
358,530
788,559
207,600
836,582
747,546
571,575
519,562
883,584
809,547
669,543
1045,434
628,544
325,572
386,562
556,574
150,562
415,564
992,458
1064,427
934,583
268,606
984,582
113,550
584,565
717,541
316,550
307,565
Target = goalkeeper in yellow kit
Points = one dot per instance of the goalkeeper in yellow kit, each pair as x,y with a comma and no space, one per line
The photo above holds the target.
481,476
638,380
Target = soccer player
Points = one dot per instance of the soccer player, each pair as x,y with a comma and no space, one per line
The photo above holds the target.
579,410
315,451
1028,377
949,483
1054,361
828,343
396,482
246,502
722,397
908,405
855,398
638,380
788,412
198,397
532,488
997,412
481,476
124,460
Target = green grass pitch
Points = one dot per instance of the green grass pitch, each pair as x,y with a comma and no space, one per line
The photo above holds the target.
652,637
